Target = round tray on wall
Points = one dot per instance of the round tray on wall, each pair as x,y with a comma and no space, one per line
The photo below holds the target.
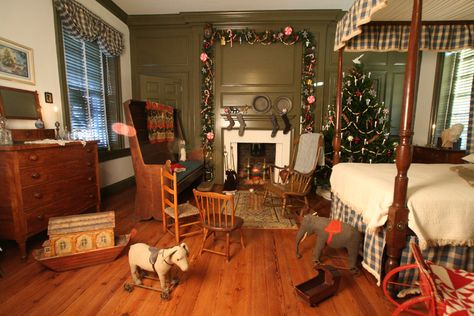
283,104
261,104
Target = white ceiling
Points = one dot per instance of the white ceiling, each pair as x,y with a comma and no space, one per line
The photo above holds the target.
176,6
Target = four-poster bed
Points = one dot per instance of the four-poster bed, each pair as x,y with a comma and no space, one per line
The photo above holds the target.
383,25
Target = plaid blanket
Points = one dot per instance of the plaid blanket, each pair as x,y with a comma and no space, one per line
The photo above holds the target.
454,257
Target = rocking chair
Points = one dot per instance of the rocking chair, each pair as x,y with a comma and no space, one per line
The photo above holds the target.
444,291
295,181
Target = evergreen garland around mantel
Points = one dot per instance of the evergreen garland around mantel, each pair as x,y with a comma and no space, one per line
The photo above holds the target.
286,36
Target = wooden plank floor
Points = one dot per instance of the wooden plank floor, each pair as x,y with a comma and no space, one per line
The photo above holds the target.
259,280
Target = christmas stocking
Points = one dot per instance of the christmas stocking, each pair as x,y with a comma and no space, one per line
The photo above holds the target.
240,118
275,125
231,121
287,128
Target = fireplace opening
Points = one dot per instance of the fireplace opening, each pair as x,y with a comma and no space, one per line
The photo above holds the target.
253,160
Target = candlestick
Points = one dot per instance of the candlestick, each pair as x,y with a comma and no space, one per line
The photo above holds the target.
433,130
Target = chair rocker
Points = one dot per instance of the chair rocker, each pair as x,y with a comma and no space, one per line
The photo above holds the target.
295,181
443,291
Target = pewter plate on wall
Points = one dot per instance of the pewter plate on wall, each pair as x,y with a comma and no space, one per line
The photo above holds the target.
282,104
261,104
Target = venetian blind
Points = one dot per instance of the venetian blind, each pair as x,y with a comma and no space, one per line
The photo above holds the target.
456,92
92,90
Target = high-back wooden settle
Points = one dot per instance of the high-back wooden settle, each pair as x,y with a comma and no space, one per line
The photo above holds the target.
149,159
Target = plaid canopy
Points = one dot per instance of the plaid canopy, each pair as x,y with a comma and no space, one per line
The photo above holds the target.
355,34
85,25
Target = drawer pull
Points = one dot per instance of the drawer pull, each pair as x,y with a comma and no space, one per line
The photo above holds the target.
91,196
38,195
35,175
89,178
89,150
89,163
40,216
33,157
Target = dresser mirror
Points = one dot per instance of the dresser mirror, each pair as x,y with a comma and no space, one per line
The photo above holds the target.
19,104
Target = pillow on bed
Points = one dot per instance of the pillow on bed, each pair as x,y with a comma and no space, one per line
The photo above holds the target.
469,158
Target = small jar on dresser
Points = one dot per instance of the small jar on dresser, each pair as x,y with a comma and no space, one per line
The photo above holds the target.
39,181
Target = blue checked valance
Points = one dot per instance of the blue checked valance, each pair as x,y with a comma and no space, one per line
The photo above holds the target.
355,34
85,25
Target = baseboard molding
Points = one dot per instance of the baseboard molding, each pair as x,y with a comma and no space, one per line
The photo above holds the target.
117,187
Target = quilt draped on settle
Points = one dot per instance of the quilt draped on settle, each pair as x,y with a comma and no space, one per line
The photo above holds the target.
160,123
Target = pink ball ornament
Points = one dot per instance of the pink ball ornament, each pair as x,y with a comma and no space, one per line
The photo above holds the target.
210,136
311,99
288,30
203,57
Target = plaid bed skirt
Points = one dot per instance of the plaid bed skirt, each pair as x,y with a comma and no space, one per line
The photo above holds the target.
454,257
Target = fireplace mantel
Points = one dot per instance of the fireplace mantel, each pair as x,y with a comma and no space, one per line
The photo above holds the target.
282,143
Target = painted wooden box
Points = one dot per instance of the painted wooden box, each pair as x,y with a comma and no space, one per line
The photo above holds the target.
79,233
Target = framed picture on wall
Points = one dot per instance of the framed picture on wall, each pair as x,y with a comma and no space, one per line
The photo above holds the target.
16,62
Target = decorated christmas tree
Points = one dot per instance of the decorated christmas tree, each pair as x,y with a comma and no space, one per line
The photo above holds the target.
365,125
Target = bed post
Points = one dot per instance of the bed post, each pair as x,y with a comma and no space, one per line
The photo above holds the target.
336,142
397,224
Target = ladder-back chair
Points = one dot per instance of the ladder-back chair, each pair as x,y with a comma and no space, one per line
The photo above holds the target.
176,216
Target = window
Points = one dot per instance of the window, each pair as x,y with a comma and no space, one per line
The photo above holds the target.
92,91
455,93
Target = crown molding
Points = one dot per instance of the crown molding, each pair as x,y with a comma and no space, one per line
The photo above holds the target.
236,17
114,9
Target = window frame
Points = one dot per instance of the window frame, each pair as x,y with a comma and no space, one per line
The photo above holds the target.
440,61
104,154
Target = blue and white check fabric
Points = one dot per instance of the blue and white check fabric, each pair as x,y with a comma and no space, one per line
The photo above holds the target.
454,257
85,25
355,34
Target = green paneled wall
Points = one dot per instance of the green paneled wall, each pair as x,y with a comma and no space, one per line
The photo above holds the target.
168,46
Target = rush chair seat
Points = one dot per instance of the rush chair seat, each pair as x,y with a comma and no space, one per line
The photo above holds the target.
295,180
176,216
217,215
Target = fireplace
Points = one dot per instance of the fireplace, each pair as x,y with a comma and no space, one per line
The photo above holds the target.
259,145
253,160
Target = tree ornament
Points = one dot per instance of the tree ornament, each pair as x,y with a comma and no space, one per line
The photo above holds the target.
203,57
309,82
288,30
210,136
349,101
311,99
358,93
223,40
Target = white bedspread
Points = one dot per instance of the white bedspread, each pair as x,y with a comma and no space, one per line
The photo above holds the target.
441,203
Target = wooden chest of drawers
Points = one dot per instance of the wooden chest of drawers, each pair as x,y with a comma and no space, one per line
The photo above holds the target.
422,154
41,181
